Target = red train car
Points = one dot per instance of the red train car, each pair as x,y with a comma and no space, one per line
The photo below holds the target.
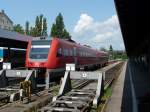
55,53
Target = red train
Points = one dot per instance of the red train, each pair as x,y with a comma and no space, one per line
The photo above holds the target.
55,53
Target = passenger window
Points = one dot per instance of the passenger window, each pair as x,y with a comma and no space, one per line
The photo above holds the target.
75,51
59,52
71,53
67,54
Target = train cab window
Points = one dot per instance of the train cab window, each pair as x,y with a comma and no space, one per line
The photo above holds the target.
59,52
39,49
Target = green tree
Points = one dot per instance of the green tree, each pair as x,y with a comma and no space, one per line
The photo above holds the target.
54,30
18,28
111,48
40,25
37,30
27,28
33,31
66,34
111,53
103,49
44,30
60,25
58,28
40,28
124,56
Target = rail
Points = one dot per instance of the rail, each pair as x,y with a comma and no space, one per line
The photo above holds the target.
88,94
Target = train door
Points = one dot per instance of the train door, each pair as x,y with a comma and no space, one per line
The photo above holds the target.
75,55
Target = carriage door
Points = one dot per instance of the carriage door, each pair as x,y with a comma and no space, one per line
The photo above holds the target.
75,55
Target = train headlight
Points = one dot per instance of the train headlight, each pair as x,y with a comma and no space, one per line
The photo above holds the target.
9,66
6,65
70,67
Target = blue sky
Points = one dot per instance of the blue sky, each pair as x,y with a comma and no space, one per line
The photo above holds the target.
72,10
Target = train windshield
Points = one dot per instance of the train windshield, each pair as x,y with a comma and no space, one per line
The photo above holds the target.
39,49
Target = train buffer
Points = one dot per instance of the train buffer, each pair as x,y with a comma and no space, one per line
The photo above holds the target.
77,99
87,93
10,83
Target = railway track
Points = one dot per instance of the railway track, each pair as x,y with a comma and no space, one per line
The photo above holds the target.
4,100
80,98
80,88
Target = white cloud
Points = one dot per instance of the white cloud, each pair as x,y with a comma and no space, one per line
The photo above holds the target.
84,23
98,34
102,37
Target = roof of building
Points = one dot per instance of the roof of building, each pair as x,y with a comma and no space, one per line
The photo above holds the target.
14,35
13,39
134,20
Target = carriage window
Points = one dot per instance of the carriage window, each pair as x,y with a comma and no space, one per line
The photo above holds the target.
81,53
59,52
64,52
75,51
71,52
67,53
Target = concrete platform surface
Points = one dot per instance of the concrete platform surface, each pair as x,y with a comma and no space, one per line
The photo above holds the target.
114,104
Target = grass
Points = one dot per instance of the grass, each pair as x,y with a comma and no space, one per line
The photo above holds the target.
104,98
55,90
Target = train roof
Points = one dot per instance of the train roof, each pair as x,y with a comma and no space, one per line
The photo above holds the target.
81,46
71,42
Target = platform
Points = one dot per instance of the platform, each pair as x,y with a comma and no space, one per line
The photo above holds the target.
114,103
131,92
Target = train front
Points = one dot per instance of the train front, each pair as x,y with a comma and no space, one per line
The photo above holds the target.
37,54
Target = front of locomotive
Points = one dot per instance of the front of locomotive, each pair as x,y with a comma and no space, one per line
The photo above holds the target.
37,53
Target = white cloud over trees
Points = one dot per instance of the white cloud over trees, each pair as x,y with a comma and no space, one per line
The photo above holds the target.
98,33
